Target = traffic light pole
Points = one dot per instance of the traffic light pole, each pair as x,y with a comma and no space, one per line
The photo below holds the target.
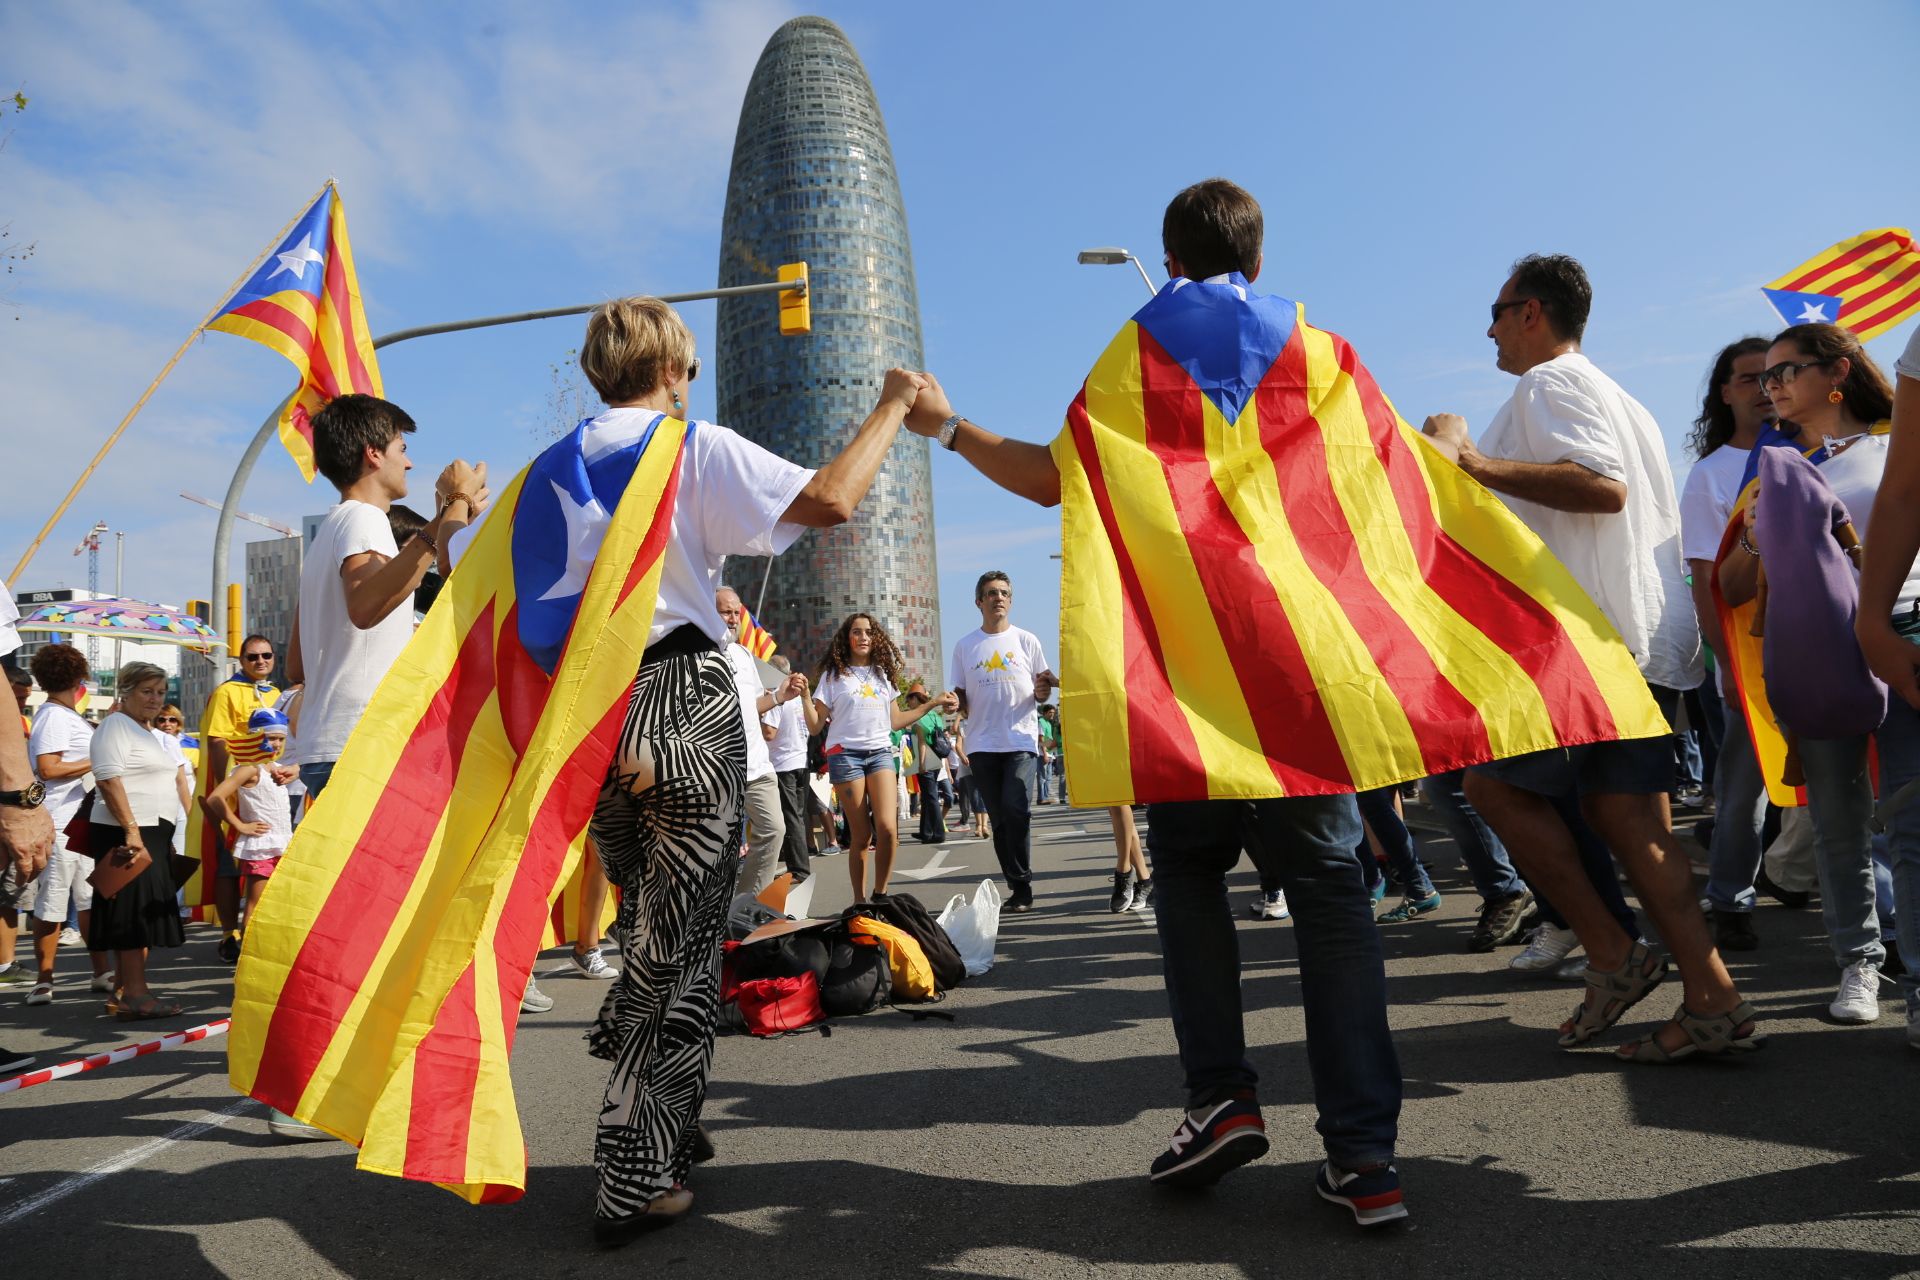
270,427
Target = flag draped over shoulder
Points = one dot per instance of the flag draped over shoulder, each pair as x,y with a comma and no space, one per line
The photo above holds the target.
381,982
1272,587
304,302
1867,284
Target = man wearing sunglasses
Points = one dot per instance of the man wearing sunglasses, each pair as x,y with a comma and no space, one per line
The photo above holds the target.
222,726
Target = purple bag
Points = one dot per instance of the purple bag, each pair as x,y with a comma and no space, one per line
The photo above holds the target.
1817,679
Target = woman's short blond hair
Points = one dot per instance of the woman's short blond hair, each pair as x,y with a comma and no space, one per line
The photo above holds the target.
632,346
134,674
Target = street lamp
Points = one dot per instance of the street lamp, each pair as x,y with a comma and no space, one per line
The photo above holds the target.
1113,257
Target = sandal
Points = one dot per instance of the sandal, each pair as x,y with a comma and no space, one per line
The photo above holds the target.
42,993
1620,989
1707,1034
145,1008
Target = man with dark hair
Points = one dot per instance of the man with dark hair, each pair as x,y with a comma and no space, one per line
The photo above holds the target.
355,424
1584,465
1213,228
1001,676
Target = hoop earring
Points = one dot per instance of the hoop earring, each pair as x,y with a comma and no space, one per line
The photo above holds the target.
1834,396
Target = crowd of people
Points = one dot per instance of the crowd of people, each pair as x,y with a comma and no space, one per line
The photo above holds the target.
720,750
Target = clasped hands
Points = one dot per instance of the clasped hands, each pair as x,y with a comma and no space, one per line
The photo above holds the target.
921,396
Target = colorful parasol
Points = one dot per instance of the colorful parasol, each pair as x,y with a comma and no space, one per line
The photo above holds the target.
120,620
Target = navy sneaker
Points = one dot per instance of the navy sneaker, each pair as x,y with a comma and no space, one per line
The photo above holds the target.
1205,1150
1372,1196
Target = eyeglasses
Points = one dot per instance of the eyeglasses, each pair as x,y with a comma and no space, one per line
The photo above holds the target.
693,368
1783,374
167,720
257,657
1498,307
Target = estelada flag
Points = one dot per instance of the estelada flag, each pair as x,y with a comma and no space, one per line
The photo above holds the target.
381,982
756,638
1866,284
304,302
1272,586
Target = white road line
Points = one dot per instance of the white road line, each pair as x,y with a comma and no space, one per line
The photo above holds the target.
125,1160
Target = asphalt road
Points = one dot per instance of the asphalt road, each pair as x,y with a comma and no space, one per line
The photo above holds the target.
1013,1141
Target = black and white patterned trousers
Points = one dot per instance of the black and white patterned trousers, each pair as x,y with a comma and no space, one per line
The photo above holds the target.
673,849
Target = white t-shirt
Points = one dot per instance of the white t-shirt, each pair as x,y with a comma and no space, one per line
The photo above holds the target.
788,750
746,678
62,731
123,748
344,664
1566,410
1854,475
1706,501
996,671
731,497
860,703
1908,365
9,614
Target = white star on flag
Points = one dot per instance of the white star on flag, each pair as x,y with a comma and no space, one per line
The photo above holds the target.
296,259
586,527
1813,313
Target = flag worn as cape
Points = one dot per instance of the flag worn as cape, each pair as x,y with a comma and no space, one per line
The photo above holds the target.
1866,284
304,302
381,981
1273,587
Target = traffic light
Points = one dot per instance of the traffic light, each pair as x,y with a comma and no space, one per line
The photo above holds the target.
203,610
236,625
796,317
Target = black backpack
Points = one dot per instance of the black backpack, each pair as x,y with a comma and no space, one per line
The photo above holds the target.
905,912
859,978
786,956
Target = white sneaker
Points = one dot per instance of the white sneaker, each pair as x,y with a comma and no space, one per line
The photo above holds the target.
70,937
282,1125
1858,999
591,965
534,1000
1547,949
1273,906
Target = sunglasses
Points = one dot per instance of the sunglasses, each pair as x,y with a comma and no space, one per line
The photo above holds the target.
1783,374
167,720
257,657
693,368
1498,307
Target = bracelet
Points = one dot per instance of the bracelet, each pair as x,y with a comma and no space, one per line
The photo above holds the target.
432,546
1746,546
455,496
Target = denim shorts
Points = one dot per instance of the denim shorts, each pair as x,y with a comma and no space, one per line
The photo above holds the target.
1631,766
846,765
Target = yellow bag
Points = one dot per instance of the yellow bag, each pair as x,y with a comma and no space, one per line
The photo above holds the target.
912,975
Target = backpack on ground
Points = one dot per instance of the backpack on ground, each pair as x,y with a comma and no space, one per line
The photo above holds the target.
906,912
912,975
786,956
778,1006
859,974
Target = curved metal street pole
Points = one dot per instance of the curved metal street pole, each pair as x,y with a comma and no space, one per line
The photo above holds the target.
270,428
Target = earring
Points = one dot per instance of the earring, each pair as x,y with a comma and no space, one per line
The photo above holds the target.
1834,396
676,402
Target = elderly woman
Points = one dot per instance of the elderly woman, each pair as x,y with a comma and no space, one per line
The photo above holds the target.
669,818
139,793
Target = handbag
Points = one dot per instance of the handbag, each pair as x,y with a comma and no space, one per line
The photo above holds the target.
79,832
119,867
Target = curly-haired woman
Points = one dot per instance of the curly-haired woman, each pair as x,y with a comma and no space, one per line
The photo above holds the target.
60,745
857,700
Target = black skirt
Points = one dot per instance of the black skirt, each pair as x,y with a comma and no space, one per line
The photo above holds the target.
144,913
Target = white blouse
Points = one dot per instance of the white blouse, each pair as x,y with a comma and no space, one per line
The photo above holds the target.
124,749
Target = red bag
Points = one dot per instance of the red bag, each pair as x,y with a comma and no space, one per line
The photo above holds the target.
776,1006
79,831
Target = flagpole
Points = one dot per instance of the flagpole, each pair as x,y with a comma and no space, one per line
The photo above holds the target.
759,606
99,457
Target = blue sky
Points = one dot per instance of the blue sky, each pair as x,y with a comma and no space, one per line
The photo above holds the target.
505,157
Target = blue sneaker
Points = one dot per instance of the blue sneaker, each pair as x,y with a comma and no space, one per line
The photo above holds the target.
1378,892
1411,908
1206,1149
1372,1196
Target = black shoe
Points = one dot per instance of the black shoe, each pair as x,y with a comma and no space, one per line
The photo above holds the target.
1785,897
229,948
1733,931
1142,896
702,1144
1122,896
1500,922
1893,966
14,1061
1220,1140
1021,899
663,1210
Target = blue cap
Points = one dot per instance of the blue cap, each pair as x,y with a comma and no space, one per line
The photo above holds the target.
267,718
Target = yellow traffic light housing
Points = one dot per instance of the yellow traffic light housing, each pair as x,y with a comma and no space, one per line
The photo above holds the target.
796,316
236,624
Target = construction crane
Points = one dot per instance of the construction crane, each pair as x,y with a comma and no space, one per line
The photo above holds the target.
274,525
91,546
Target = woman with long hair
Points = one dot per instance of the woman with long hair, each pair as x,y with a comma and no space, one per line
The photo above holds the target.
857,700
1834,404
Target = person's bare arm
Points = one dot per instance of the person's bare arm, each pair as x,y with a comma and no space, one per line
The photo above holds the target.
904,716
295,667
52,768
1021,467
114,795
817,715
1740,572
837,488
217,805
1895,540
1563,486
377,585
183,784
1703,609
26,835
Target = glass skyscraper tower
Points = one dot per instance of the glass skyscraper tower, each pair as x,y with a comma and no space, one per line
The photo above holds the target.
813,180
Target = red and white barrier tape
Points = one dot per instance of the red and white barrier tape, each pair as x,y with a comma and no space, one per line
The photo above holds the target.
112,1056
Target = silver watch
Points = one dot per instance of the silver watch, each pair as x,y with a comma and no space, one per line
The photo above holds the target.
949,431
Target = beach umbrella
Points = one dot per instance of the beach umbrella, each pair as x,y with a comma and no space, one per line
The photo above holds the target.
119,619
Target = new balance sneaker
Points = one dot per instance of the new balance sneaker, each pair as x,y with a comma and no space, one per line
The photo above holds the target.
282,1125
1142,895
1858,999
1122,897
1372,1196
1500,922
1212,1143
590,964
1272,906
1411,908
534,1000
21,1061
1546,951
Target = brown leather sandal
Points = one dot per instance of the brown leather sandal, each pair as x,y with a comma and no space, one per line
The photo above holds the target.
1620,990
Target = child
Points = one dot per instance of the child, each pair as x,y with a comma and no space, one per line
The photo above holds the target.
264,822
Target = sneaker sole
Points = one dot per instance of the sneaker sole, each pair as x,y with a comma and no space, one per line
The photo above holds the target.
1215,1161
1853,1018
1367,1211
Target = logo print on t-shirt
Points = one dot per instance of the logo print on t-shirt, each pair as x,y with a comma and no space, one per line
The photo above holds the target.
996,661
866,690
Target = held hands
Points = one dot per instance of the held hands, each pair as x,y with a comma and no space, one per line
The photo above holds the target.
1044,684
931,410
948,702
795,686
1448,434
902,386
468,481
284,773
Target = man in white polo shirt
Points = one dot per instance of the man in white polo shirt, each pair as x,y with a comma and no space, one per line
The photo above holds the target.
788,750
1001,675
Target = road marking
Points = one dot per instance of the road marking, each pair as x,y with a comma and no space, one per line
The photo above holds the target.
936,866
125,1160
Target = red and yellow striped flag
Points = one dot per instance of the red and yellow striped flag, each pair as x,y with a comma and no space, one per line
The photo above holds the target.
757,640
1866,284
304,302
381,981
1272,586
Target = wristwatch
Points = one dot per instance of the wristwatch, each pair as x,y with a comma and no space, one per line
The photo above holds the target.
949,431
28,797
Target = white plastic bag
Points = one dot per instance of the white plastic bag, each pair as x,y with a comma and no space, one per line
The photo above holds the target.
974,926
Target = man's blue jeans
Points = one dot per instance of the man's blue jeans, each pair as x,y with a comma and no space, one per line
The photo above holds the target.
314,778
1307,843
1899,744
1376,809
1494,878
1840,803
1739,809
1005,780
